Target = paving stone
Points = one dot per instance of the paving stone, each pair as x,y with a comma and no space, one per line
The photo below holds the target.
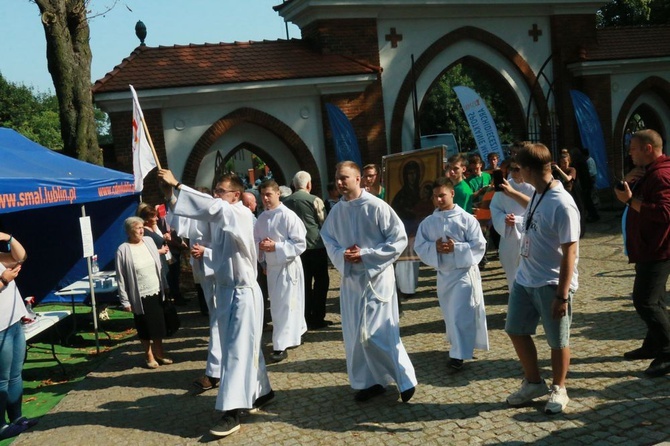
612,402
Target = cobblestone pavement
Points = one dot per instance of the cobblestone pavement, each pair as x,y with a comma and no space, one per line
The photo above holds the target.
612,402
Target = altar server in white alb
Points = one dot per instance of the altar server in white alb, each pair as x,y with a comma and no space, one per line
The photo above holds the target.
281,237
363,237
451,241
199,235
239,303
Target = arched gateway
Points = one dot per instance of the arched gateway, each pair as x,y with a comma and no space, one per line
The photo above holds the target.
199,99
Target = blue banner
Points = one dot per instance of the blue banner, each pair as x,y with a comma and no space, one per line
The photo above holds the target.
591,134
344,137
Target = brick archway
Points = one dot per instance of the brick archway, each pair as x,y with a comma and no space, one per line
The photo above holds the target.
460,34
302,154
654,84
515,114
277,173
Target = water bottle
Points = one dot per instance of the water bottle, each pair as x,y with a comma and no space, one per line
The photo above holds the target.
29,301
94,264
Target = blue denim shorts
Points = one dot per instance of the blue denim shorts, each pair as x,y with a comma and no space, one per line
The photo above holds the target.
526,307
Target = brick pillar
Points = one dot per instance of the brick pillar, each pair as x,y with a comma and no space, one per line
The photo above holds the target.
355,38
569,35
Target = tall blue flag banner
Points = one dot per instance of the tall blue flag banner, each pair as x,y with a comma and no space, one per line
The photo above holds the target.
481,122
591,134
344,137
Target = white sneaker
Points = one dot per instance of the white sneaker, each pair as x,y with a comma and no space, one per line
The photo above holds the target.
527,392
558,399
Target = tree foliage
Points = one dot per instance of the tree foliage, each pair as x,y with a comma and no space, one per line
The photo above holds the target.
34,115
69,60
634,13
441,111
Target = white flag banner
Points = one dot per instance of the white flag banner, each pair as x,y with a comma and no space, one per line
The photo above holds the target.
143,158
481,122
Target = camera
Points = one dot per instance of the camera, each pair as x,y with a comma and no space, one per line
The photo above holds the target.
620,185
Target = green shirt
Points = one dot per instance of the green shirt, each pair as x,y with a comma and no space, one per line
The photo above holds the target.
463,196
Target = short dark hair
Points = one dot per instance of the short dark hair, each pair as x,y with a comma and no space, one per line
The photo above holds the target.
236,183
372,166
443,182
458,159
272,184
146,212
536,157
475,159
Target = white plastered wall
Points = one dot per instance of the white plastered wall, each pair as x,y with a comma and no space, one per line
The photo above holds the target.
418,35
184,125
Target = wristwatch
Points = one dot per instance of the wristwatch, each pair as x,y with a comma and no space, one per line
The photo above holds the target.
4,281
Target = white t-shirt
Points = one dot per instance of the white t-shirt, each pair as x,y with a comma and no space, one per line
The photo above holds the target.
12,308
555,221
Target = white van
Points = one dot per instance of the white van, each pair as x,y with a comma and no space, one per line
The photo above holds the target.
441,139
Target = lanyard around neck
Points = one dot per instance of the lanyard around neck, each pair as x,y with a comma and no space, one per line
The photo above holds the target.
532,210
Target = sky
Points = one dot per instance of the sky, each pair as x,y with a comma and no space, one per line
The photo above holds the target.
168,22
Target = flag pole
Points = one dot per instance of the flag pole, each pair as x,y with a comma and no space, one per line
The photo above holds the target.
151,143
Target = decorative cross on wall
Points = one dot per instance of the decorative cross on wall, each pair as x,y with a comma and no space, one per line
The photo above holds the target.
394,38
535,32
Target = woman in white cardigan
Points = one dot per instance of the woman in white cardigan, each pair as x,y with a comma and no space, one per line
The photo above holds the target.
142,289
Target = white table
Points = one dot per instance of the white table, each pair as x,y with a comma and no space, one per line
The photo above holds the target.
43,322
83,287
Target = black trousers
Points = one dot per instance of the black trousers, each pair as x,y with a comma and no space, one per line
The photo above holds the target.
315,266
174,270
649,300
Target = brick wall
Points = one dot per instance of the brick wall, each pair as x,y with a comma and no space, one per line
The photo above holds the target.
121,127
356,38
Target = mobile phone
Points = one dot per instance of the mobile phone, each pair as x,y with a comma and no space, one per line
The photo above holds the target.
620,186
497,179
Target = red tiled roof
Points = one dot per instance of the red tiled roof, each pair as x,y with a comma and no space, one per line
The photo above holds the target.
225,63
630,43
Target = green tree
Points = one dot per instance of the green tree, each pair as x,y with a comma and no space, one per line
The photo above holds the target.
67,35
33,115
634,13
441,111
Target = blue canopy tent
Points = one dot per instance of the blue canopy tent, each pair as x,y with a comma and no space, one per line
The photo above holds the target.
41,198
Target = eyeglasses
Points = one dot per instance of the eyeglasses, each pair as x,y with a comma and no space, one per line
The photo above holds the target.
221,191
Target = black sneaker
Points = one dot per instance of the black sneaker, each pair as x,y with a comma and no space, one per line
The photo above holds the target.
228,424
278,356
456,364
370,392
262,401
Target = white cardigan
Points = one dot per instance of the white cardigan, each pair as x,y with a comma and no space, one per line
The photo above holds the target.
129,294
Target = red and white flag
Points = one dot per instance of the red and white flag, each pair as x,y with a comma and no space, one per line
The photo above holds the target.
143,158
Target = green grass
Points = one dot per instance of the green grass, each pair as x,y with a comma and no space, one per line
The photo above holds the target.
44,384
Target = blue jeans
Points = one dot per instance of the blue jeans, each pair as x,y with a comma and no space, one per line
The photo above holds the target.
12,355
